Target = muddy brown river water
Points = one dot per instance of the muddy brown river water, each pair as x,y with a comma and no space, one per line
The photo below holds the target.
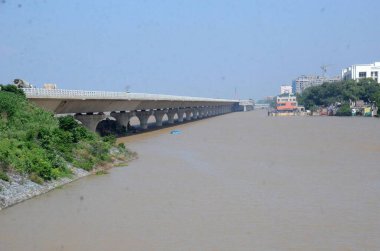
242,181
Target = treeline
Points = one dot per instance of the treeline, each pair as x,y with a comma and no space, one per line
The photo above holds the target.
35,143
342,92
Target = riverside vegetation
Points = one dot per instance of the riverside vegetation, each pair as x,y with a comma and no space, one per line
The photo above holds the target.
41,147
342,92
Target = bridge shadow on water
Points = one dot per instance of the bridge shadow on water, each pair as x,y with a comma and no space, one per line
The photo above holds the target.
111,127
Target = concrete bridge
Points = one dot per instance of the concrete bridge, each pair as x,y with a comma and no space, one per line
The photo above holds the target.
91,107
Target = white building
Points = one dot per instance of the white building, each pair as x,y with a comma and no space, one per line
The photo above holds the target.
359,71
50,86
286,89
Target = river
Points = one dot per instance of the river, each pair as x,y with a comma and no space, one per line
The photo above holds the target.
242,181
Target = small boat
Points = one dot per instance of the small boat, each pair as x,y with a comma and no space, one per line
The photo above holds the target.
175,132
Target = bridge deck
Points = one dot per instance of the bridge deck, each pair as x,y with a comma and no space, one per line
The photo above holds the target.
82,94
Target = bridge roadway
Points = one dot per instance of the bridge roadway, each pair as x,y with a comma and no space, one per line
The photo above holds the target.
91,107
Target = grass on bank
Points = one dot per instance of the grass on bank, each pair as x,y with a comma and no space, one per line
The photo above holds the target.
35,143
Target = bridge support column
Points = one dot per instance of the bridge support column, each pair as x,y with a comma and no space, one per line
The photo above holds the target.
90,120
188,114
171,113
200,113
180,114
208,111
159,114
218,110
205,112
143,117
211,111
122,117
195,112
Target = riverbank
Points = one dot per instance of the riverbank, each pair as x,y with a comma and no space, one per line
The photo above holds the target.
39,151
20,187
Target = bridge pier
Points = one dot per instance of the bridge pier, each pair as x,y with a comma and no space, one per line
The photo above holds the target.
180,113
159,114
122,117
188,114
90,120
204,112
143,117
195,113
216,110
208,112
171,113
211,111
221,110
200,113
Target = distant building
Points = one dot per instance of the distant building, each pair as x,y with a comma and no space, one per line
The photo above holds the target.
259,106
359,71
246,105
303,82
286,89
269,98
50,86
264,103
286,103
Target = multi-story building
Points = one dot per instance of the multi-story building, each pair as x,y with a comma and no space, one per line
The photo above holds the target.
286,103
359,71
286,89
303,82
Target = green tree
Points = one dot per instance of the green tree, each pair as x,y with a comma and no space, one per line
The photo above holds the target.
344,110
341,92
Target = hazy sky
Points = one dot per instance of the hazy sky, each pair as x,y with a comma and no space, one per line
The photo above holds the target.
183,47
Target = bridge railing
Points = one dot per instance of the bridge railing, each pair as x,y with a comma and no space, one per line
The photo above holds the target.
82,94
70,93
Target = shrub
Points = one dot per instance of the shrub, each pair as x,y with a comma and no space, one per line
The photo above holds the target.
4,176
110,139
344,110
35,143
36,179
12,88
121,146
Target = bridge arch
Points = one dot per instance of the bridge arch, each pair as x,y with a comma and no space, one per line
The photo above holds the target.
143,117
90,120
165,118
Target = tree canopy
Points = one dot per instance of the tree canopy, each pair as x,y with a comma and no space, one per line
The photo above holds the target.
326,94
